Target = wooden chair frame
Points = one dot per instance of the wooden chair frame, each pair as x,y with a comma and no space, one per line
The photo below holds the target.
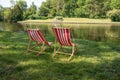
37,44
57,50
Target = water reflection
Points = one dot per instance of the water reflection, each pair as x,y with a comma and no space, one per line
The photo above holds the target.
11,27
96,32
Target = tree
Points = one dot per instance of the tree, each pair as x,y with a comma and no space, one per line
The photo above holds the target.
59,7
12,2
70,7
7,14
44,9
30,11
16,14
80,11
18,10
115,4
105,7
22,4
1,13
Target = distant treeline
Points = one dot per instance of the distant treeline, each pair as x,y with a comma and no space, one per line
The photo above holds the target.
66,8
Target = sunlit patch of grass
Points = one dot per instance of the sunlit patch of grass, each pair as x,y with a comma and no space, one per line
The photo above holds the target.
29,62
93,60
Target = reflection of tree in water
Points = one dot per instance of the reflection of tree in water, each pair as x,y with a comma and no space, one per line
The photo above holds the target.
115,33
11,27
46,29
97,33
90,33
2,28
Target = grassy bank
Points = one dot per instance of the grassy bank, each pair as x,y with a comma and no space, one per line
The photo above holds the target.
93,61
80,20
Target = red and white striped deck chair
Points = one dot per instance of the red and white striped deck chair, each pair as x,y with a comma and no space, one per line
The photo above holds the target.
64,39
37,37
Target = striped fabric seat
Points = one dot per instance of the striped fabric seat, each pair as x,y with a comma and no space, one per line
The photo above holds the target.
63,36
36,36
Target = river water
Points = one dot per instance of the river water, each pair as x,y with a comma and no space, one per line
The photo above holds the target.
96,32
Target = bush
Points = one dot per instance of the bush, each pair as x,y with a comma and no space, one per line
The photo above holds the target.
43,18
50,16
114,15
34,16
59,18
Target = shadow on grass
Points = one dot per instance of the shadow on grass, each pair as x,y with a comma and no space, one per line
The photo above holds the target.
93,48
66,71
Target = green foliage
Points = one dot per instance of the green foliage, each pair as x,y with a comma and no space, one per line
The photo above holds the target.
18,10
50,16
1,13
114,15
17,14
30,13
65,8
43,10
32,8
43,17
22,4
7,14
59,18
115,4
34,16
78,8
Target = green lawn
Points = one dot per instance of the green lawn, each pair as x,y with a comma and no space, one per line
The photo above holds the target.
93,61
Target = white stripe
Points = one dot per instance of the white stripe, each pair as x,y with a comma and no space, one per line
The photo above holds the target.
57,34
67,43
61,36
31,34
39,37
34,35
64,36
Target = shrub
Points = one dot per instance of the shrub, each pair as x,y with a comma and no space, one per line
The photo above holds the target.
43,18
50,16
59,18
114,15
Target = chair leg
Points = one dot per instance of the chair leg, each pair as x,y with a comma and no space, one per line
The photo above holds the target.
28,46
76,49
73,50
55,51
42,49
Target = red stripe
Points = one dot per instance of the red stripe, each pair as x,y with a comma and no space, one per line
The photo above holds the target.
30,34
56,32
68,36
63,36
42,38
60,36
36,35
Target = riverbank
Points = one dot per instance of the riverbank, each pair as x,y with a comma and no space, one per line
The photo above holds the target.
72,21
